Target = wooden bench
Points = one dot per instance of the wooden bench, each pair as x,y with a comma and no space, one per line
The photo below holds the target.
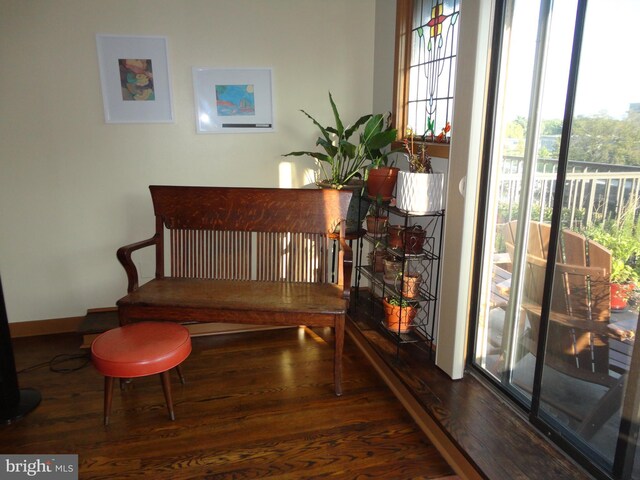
245,255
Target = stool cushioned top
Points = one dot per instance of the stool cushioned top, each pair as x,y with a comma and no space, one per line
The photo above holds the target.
140,349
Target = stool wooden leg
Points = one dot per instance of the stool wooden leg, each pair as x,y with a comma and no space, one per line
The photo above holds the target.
179,370
108,396
166,387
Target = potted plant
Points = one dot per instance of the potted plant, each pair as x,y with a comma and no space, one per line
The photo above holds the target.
623,283
342,163
620,238
396,236
377,219
392,269
420,190
413,239
399,315
376,258
381,175
410,286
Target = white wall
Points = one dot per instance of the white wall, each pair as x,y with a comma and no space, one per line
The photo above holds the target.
73,189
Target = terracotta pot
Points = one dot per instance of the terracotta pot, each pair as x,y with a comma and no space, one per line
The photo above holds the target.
381,182
398,319
377,225
411,285
414,238
358,207
620,293
376,260
396,238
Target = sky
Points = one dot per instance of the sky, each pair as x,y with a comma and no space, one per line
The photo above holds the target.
609,78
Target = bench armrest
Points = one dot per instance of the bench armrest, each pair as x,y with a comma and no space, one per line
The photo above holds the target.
124,256
345,264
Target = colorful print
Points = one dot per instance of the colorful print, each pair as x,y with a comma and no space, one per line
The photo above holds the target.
136,79
234,100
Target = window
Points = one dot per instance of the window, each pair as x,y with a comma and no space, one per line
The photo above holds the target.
562,176
426,52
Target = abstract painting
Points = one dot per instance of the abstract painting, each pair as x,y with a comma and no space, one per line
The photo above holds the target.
235,100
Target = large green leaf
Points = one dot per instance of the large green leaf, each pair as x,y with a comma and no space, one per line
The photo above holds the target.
336,115
325,132
373,126
317,155
356,126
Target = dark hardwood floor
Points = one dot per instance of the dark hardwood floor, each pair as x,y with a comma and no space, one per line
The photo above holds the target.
477,430
256,405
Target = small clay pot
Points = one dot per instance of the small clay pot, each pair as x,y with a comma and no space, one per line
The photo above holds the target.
377,225
411,285
414,238
396,237
376,260
399,319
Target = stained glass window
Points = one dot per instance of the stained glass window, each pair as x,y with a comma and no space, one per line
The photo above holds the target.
432,69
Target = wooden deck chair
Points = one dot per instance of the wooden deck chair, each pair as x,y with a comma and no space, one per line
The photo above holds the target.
578,334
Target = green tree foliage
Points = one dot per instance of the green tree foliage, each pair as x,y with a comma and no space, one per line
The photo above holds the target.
600,138
604,139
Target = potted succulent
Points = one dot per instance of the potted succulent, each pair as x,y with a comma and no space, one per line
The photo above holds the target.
396,236
376,219
376,257
399,314
420,190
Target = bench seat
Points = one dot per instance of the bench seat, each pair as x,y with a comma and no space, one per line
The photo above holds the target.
236,301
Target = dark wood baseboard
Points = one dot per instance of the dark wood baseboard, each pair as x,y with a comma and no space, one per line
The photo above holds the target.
45,327
109,315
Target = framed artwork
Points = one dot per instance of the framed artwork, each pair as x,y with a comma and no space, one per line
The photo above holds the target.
134,73
233,100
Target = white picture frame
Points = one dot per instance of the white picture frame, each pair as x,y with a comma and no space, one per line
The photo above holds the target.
134,76
233,100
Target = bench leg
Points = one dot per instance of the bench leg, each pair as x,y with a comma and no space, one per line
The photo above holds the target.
337,360
166,388
108,397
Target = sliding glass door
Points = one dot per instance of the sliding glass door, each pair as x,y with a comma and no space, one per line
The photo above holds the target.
560,224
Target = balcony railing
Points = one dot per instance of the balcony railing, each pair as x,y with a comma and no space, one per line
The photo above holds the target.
593,192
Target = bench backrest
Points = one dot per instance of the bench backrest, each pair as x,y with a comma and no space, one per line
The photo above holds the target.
267,234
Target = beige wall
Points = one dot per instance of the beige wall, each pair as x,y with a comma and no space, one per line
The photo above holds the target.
73,189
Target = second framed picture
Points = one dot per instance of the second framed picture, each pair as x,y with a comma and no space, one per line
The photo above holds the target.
233,100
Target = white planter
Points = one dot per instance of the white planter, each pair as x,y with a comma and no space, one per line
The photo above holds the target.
420,192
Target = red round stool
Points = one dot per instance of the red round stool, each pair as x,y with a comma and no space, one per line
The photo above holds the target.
138,350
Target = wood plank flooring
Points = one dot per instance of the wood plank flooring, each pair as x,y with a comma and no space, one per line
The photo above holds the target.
495,437
255,405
